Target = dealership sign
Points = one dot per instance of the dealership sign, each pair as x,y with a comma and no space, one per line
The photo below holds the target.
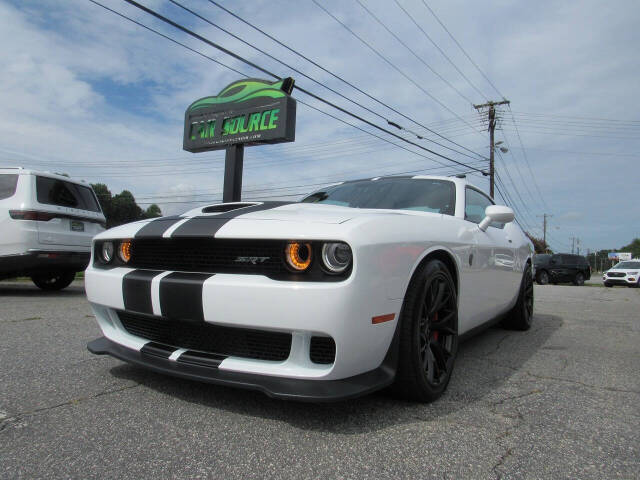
247,112
619,256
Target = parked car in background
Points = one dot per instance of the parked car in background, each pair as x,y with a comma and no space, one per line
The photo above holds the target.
561,268
624,273
47,223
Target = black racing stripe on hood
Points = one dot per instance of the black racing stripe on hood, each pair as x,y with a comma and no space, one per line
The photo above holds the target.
157,227
208,225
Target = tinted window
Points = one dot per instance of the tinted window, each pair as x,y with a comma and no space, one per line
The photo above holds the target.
542,258
628,265
53,191
426,195
475,205
8,185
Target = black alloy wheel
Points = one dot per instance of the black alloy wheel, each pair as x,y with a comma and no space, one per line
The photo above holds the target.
521,316
579,279
53,281
543,277
428,335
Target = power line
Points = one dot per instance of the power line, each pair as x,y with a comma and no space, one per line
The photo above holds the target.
524,153
420,59
231,34
440,50
273,75
578,117
385,59
338,77
462,49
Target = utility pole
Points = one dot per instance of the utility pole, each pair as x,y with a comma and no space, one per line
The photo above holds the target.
575,241
491,111
544,226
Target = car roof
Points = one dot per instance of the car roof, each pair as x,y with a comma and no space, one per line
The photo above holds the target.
41,173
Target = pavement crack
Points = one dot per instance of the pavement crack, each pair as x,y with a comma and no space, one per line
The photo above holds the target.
502,438
74,401
20,320
578,382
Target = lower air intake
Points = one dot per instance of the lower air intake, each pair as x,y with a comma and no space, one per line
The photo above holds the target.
204,337
322,350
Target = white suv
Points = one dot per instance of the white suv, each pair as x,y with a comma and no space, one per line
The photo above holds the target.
624,273
47,223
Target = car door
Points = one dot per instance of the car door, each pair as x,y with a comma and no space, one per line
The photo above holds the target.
558,269
494,260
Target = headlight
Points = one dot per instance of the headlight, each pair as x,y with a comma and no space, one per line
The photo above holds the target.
124,251
336,257
298,256
106,252
632,273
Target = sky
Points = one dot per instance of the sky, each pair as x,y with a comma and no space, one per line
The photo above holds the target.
88,93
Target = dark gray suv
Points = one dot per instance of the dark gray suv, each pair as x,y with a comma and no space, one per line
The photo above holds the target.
561,268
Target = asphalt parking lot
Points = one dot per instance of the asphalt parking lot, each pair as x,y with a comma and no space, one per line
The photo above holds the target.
559,401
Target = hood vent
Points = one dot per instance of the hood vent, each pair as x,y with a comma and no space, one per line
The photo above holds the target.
226,207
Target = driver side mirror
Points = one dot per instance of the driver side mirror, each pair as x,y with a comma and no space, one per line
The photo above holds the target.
496,213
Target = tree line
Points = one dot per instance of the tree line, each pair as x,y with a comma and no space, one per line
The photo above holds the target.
122,207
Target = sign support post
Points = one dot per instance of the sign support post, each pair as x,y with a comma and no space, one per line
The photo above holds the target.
245,113
233,162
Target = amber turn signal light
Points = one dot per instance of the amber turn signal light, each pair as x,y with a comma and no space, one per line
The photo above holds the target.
298,256
124,250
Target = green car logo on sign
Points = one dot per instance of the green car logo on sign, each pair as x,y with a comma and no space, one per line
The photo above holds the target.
247,112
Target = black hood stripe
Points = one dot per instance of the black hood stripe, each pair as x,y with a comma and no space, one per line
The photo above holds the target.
208,225
157,227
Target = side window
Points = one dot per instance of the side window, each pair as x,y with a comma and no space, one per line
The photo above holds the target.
475,205
8,184
557,260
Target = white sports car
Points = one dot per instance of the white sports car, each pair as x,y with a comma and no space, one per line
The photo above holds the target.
360,286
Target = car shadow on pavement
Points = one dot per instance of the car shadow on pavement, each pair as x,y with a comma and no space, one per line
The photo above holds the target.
485,362
28,289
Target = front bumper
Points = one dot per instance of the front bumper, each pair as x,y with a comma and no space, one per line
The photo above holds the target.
343,311
621,280
276,387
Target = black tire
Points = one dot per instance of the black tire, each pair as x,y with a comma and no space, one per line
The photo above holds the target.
578,279
53,281
521,316
607,284
542,277
428,345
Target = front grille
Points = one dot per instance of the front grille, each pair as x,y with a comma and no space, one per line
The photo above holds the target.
322,350
227,341
615,274
209,255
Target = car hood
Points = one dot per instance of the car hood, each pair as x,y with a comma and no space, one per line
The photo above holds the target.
254,214
293,212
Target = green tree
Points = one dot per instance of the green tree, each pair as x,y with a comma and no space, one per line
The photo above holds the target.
633,247
122,207
153,211
539,245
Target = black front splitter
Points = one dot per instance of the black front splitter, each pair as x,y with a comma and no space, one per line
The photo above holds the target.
277,387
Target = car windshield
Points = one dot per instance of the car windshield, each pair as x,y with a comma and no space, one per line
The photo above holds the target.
626,265
425,195
543,257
